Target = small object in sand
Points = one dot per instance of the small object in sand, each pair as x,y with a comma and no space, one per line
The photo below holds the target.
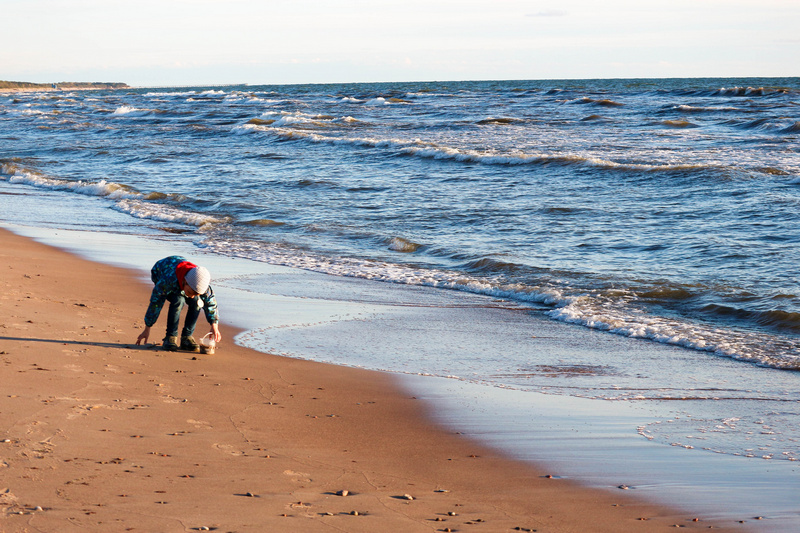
343,493
758,518
354,513
38,508
250,495
6,440
408,497
204,528
623,487
441,490
451,513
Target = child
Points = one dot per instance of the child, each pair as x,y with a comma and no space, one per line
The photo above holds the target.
182,283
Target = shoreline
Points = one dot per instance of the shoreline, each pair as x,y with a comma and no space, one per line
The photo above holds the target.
100,430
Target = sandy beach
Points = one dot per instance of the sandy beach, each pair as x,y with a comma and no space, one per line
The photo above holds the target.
98,434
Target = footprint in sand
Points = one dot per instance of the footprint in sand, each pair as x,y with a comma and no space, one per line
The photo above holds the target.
199,424
227,448
300,477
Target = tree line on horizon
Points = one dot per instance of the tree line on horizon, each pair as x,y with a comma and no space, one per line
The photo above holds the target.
62,85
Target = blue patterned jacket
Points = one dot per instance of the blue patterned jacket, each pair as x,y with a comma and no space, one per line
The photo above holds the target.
166,286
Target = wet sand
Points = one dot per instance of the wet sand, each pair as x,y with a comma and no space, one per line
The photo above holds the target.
97,434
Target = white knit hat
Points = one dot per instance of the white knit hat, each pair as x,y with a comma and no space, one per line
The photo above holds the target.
198,279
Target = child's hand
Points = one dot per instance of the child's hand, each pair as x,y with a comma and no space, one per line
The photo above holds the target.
143,336
215,332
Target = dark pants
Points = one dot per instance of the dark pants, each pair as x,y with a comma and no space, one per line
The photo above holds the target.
174,315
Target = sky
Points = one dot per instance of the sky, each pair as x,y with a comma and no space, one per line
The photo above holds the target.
194,42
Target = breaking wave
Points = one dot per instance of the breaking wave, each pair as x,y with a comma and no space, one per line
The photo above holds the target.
430,150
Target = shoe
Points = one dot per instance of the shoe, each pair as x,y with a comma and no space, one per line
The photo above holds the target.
171,344
189,344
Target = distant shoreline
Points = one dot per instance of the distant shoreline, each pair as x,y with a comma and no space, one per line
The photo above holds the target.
23,86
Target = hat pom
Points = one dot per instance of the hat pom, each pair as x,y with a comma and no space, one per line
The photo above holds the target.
198,279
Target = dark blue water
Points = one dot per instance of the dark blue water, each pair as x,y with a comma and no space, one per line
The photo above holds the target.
661,209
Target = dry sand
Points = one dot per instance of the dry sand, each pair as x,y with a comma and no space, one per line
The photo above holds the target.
97,434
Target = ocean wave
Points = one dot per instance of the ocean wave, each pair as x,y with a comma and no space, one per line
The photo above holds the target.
794,128
381,101
500,121
128,200
131,111
284,119
429,150
700,109
399,244
679,124
740,91
773,318
761,349
262,222
165,213
615,315
99,188
171,94
603,102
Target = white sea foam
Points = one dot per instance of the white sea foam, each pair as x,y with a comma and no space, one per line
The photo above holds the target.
291,120
100,188
126,110
379,101
429,150
165,213
616,317
177,93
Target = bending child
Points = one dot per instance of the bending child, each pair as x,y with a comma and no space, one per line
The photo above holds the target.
181,283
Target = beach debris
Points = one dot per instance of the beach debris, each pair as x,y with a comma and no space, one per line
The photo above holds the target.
343,493
250,495
354,513
407,497
452,513
623,487
441,490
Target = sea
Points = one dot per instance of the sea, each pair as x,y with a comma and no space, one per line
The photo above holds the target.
626,241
